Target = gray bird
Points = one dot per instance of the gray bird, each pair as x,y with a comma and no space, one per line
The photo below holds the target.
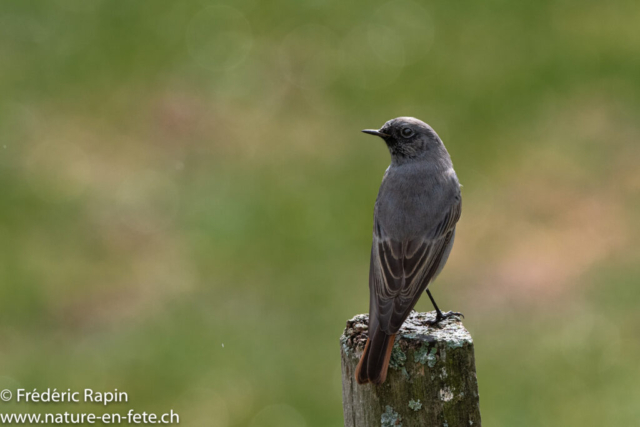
415,218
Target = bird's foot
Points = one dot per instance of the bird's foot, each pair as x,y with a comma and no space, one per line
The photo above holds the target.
443,316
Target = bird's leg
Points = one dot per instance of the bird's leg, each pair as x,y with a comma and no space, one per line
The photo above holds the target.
440,316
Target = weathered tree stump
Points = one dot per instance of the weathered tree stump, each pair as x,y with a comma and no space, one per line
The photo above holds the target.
431,380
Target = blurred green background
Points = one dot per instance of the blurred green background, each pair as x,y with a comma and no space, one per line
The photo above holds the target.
187,199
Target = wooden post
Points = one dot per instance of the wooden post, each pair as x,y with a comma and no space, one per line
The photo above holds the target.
431,380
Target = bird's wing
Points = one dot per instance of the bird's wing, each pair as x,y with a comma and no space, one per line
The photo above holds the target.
401,270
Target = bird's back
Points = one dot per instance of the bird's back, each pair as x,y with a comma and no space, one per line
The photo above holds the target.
413,199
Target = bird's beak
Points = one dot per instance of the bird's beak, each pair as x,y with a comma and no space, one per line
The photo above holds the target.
375,132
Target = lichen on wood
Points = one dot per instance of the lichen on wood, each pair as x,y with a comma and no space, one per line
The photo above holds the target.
431,380
415,405
390,418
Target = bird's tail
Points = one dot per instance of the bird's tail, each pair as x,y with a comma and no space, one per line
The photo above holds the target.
374,362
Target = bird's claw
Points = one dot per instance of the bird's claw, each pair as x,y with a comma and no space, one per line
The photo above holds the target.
443,316
452,313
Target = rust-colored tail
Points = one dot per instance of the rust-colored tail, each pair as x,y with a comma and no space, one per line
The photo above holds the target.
374,362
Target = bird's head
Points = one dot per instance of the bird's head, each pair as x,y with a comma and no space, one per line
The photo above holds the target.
409,139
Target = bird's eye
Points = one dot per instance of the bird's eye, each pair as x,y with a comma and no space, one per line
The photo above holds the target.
406,132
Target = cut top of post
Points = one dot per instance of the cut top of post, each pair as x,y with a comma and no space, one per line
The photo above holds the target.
415,330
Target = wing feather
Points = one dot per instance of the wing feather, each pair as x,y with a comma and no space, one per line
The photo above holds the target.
402,270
